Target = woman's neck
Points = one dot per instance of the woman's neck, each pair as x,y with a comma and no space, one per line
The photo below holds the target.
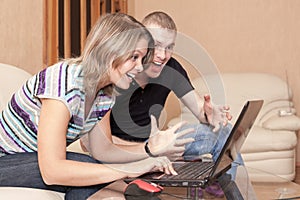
142,79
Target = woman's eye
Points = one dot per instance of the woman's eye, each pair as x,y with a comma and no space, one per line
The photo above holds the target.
135,57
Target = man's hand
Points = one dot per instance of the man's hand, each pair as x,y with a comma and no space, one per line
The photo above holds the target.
215,114
168,143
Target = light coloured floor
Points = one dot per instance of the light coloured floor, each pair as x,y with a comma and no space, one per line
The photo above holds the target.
276,190
279,190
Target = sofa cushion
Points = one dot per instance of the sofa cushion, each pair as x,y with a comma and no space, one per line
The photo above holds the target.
9,85
276,122
29,194
264,140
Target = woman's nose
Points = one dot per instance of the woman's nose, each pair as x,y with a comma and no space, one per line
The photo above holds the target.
139,67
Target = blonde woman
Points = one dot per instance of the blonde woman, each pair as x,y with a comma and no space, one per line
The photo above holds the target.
63,102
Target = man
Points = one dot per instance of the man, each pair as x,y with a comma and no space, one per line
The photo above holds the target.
134,116
130,119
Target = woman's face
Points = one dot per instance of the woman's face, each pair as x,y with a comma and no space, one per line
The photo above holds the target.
124,73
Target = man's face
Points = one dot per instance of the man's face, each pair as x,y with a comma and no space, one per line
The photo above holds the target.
164,44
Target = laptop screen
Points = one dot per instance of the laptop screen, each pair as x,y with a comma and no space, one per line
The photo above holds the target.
237,136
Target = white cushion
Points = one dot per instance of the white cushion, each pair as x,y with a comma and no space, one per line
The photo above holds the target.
283,123
265,140
11,79
14,193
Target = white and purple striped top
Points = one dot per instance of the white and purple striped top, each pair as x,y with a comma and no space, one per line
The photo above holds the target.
20,119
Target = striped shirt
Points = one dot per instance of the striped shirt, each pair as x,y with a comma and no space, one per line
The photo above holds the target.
19,120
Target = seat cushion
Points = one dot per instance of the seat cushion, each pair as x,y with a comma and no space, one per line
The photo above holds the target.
265,140
9,84
264,171
8,193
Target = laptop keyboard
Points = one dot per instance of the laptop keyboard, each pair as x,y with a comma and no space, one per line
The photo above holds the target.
191,170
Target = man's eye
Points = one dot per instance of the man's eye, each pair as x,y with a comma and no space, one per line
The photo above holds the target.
170,47
157,46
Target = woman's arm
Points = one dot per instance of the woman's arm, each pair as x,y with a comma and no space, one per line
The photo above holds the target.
99,140
161,143
56,169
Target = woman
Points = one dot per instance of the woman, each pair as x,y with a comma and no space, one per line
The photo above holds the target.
63,102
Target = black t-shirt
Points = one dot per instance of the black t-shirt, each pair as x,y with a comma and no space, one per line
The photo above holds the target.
130,116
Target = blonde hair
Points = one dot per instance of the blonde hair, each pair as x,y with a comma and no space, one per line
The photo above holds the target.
110,42
161,19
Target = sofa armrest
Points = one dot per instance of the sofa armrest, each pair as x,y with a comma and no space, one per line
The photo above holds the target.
291,123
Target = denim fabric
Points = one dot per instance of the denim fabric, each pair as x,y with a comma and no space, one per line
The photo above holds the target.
206,141
234,165
22,170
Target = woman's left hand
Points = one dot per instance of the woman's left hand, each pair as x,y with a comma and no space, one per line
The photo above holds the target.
168,142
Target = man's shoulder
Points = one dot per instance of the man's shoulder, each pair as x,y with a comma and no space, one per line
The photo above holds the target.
173,62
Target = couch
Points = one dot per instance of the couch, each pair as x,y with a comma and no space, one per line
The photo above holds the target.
271,142
11,78
270,148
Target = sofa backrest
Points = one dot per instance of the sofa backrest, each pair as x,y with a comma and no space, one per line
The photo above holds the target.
11,79
237,88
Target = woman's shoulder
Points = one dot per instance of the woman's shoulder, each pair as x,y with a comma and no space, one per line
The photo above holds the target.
62,77
66,67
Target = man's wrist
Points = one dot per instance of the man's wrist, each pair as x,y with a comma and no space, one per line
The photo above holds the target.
148,150
204,118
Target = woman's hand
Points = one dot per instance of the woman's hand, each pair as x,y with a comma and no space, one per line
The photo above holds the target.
168,143
215,114
138,168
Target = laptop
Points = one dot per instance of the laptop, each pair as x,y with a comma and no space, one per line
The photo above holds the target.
199,172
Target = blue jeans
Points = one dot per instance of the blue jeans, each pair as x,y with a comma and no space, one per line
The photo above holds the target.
206,141
22,170
210,142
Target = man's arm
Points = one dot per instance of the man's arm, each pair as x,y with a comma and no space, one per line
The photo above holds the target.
205,111
194,103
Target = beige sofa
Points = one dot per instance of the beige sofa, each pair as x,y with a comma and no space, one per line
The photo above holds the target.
11,78
269,150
